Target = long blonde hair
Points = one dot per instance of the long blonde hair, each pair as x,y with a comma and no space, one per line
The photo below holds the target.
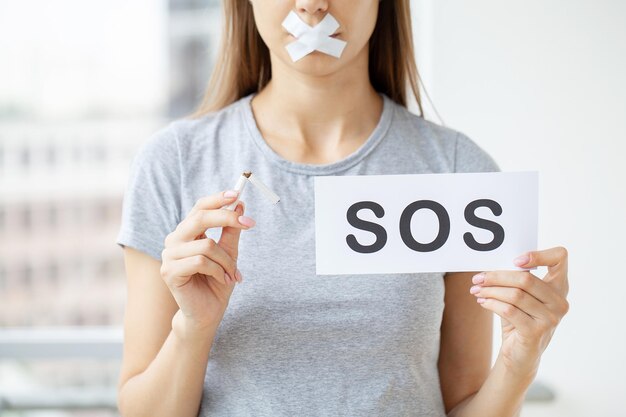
243,64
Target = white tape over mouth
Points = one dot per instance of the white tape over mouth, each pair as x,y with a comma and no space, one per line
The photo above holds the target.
309,39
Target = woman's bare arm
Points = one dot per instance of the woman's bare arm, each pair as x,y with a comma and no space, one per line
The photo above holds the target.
466,342
163,359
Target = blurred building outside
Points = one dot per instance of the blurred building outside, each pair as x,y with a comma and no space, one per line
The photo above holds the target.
81,87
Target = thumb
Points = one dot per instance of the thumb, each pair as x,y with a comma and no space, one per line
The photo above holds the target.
229,240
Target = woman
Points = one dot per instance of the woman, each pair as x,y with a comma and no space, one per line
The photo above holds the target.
286,342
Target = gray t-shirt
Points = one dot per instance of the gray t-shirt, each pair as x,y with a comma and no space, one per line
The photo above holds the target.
293,343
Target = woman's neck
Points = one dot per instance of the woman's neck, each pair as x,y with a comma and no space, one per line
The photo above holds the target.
317,118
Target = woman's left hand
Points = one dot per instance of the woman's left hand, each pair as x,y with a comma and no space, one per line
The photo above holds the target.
530,307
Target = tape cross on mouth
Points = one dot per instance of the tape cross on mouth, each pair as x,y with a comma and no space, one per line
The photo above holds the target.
309,39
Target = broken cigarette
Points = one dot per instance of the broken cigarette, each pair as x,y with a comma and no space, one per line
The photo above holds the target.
241,183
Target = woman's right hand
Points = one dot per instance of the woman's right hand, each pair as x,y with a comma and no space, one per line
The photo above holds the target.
200,272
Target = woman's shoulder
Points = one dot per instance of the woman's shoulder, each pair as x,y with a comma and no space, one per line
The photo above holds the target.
183,136
196,134
462,153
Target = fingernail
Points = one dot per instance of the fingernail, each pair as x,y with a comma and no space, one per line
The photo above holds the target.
521,260
246,221
227,277
480,300
478,278
475,289
239,276
230,193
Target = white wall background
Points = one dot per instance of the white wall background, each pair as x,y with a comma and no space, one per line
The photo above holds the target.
541,85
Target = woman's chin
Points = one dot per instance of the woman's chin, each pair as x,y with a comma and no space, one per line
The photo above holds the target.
317,63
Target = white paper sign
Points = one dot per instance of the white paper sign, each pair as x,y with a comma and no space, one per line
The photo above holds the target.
366,224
